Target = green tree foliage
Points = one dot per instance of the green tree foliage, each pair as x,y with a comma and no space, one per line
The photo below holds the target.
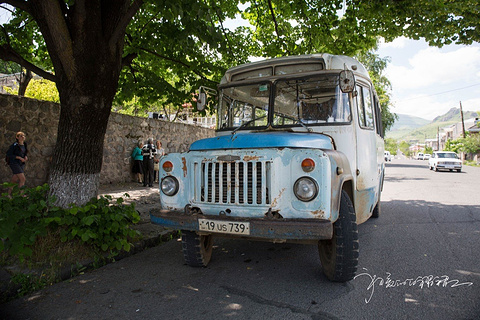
39,89
376,66
404,147
391,145
469,144
472,143
22,43
175,47
454,145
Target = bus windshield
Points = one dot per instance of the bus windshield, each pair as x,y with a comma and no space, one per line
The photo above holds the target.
316,100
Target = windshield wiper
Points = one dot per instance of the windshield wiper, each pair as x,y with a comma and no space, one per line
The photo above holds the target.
247,123
304,125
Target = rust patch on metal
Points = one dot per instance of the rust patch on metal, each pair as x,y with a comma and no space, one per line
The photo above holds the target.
319,214
274,202
184,168
251,158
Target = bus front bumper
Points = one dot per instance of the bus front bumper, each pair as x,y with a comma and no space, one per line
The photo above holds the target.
267,229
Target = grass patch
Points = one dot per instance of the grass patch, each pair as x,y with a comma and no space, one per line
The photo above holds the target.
471,163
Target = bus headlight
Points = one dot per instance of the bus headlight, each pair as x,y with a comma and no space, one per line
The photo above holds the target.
169,186
305,189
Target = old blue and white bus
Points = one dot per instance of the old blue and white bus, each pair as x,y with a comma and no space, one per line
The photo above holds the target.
298,156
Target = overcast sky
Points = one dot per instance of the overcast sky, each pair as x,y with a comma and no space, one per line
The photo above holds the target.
428,81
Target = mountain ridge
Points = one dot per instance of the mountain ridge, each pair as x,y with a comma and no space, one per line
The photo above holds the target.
410,128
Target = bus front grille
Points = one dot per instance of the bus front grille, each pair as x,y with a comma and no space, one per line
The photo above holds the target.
240,182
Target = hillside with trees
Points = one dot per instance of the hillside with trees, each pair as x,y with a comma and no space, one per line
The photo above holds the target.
410,128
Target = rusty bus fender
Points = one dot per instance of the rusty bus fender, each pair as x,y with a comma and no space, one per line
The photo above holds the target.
342,179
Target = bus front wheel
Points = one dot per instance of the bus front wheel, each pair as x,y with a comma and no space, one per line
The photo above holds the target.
339,255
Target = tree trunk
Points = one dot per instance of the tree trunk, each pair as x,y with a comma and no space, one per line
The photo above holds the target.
24,81
85,42
86,101
77,162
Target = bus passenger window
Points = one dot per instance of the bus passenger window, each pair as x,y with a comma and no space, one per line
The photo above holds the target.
364,106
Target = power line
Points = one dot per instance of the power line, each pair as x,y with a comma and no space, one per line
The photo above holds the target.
436,94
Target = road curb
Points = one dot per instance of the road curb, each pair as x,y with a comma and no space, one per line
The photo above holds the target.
9,290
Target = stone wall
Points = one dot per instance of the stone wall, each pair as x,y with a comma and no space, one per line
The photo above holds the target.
39,121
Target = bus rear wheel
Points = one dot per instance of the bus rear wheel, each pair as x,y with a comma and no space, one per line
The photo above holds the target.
339,255
197,249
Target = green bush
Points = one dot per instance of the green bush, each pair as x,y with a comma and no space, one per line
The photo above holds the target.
99,223
22,218
102,224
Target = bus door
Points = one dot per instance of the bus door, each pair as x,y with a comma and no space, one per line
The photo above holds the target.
366,153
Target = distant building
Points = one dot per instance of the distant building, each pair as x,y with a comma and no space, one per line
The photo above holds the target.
432,143
454,131
416,148
475,129
187,116
9,81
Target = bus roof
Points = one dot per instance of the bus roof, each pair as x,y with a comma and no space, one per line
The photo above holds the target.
280,66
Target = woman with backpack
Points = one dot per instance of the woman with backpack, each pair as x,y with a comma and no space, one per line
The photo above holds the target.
17,156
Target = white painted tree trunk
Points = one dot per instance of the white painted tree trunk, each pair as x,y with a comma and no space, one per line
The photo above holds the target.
75,188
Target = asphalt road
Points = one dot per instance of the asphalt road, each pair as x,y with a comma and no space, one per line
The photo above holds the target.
419,260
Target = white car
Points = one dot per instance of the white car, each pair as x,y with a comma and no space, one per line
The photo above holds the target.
388,156
427,156
445,160
419,156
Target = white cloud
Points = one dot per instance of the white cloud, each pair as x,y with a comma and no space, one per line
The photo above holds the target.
432,66
397,43
427,81
423,107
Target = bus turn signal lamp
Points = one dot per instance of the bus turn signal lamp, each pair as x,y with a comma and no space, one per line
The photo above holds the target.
308,165
167,166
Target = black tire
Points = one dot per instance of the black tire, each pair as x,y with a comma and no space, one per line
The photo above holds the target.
339,256
376,210
197,249
459,170
436,169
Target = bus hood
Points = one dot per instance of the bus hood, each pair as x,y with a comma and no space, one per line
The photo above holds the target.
257,140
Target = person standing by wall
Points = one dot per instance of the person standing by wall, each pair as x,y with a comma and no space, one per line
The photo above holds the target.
17,157
148,152
137,157
160,154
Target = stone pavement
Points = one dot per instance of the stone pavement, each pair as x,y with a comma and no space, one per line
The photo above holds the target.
144,198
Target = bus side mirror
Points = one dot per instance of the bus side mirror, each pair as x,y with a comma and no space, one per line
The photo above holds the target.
347,81
201,101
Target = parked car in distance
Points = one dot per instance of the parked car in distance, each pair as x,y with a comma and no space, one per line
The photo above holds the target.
388,156
445,160
427,156
419,156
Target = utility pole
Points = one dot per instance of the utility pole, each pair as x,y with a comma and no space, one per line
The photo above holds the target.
438,138
463,122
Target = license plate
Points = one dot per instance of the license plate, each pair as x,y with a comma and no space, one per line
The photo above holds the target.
230,227
450,166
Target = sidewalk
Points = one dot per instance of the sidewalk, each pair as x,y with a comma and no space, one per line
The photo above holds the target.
144,198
